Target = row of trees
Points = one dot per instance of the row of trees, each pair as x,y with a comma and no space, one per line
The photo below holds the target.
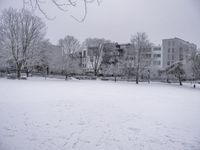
110,58
22,45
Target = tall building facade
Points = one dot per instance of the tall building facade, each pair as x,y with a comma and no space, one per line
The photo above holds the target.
152,57
156,61
175,49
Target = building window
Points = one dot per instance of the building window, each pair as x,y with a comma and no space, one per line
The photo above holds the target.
180,53
172,50
168,63
156,56
169,57
157,48
84,53
156,62
172,57
168,50
169,43
180,57
173,43
147,55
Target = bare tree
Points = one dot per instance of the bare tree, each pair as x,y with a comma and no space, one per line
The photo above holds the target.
69,44
95,47
142,48
107,58
48,59
177,70
70,47
112,60
21,31
40,61
62,5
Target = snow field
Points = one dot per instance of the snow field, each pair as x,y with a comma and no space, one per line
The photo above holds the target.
40,114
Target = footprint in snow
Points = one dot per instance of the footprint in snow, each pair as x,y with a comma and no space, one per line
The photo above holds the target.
135,130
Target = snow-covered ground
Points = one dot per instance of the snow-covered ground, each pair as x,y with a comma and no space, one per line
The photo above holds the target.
40,114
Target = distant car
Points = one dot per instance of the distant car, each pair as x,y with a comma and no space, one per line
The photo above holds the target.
23,77
12,76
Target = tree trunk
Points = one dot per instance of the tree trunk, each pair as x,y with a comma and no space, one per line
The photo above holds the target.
18,69
137,75
18,73
168,80
95,72
137,78
180,81
128,77
27,73
149,76
47,71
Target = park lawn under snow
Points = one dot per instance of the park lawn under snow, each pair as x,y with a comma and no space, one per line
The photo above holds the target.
40,114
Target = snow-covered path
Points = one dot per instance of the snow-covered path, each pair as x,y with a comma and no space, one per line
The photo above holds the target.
97,115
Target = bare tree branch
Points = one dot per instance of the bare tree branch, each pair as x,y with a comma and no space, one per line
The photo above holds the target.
70,46
63,6
141,46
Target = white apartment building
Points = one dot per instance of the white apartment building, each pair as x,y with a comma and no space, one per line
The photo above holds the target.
153,56
156,61
176,49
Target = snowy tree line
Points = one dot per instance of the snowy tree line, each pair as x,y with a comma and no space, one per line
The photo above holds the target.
23,48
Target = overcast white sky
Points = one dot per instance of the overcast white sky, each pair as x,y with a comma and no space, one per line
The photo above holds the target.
117,20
